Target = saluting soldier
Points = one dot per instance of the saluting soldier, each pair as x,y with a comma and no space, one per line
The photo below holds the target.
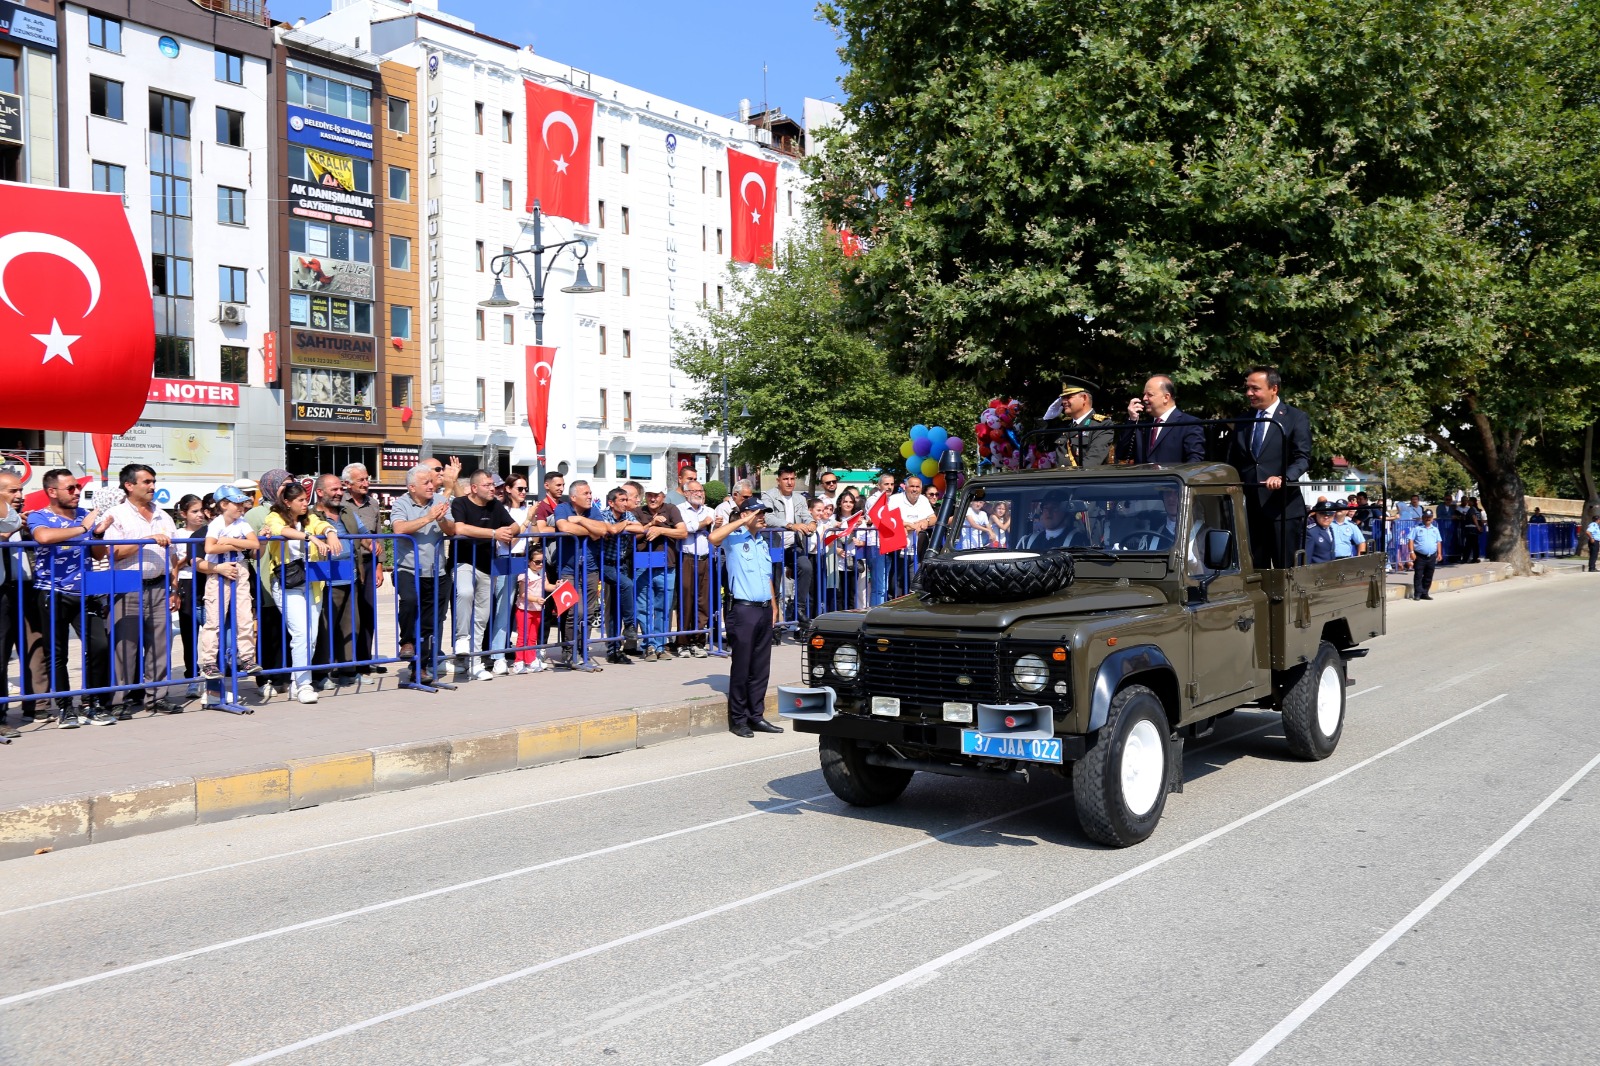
1088,433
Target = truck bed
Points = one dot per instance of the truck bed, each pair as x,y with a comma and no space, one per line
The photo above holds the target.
1341,601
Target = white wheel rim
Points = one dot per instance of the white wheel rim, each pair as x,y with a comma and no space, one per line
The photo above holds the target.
1144,759
1330,701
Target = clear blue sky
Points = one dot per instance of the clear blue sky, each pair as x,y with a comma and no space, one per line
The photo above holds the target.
707,54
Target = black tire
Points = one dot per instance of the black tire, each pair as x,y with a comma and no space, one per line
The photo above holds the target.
1313,705
853,779
1111,810
994,576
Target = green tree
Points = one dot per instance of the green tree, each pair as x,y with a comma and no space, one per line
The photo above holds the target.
818,392
1430,475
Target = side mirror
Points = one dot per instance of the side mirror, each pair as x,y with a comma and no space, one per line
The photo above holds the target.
1219,549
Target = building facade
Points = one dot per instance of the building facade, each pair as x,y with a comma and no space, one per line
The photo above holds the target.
659,240
168,104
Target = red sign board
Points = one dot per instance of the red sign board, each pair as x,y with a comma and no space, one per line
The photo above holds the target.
269,358
209,393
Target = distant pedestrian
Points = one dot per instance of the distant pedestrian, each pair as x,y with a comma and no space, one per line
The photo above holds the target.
10,588
1319,538
656,586
189,584
751,617
792,512
530,600
1593,530
694,574
271,651
141,619
578,560
421,520
336,630
616,566
300,537
1348,540
359,519
1426,544
486,531
62,530
1407,515
229,598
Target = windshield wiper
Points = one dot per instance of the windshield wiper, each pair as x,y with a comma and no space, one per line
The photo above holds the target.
1098,552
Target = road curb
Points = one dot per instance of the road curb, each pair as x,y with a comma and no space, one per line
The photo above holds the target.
92,818
1441,583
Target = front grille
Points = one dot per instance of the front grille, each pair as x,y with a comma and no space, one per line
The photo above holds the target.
924,673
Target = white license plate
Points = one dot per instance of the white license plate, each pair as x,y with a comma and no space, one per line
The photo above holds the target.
886,705
976,743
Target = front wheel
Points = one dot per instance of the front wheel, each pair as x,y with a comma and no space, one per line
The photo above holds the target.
856,781
1120,784
1313,705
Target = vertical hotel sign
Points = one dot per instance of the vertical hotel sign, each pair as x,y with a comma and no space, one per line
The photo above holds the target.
435,366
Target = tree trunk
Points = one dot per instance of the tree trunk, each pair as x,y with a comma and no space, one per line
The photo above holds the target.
1586,468
1503,501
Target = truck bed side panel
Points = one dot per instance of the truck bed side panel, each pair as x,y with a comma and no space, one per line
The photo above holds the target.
1343,596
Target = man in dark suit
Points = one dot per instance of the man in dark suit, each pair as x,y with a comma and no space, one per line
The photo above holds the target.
1165,434
1271,448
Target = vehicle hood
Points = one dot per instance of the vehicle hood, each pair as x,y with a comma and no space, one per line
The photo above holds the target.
910,612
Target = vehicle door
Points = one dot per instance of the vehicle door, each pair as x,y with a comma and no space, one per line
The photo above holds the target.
1223,613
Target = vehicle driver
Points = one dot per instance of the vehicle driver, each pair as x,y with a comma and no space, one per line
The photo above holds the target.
1054,528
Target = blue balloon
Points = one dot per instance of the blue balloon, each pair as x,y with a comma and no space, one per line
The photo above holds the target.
937,436
918,431
922,446
914,465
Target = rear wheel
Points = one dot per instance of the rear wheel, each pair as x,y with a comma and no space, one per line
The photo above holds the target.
856,781
1313,705
1120,784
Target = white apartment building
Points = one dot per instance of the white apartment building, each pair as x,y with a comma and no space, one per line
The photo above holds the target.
170,106
659,236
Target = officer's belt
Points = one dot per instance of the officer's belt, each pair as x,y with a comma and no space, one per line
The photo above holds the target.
752,603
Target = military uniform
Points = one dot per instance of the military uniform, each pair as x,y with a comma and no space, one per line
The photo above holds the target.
1087,440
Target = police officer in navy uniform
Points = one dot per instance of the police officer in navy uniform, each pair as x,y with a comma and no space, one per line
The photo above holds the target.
750,619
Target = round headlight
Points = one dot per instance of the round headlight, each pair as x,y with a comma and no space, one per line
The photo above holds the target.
1030,674
847,661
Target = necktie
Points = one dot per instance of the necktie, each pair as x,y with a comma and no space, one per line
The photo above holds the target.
1260,433
1150,437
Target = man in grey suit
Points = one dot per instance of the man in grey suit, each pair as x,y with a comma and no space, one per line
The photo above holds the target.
1271,448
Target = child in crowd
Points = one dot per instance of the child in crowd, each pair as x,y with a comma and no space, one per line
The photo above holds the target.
530,614
228,539
188,583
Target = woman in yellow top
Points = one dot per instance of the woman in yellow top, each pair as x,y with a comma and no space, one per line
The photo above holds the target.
294,531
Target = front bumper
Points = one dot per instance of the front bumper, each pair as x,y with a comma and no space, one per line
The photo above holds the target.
944,739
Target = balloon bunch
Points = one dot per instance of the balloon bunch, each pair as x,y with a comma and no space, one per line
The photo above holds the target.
925,447
996,431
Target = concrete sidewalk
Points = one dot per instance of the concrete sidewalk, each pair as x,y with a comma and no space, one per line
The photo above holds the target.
1453,577
62,788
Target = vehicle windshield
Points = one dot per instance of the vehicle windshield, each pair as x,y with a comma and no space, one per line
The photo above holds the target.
1096,516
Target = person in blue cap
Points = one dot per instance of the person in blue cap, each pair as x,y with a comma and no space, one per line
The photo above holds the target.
750,618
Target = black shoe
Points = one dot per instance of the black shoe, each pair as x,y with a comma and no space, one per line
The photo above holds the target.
67,720
618,658
166,706
740,731
761,725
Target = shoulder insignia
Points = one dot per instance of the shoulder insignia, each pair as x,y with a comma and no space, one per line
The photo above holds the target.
1101,418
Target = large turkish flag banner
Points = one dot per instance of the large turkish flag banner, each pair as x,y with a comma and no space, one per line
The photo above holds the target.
77,330
559,126
541,365
754,185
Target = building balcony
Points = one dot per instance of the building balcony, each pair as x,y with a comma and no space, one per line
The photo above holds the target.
252,11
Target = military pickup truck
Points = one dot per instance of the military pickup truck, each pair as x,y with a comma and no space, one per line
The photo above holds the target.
1123,618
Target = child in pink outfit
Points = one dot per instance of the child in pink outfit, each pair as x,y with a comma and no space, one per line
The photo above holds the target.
529,604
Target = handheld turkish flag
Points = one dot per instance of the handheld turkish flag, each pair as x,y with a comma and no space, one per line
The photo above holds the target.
77,329
754,185
890,525
559,125
846,529
541,365
564,596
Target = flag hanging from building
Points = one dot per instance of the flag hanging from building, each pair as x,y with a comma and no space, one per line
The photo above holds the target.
753,185
541,365
559,126
77,328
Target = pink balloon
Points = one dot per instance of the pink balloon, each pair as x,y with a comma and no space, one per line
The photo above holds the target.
955,444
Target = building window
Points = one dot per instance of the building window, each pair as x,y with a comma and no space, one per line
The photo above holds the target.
330,96
624,220
331,240
108,177
620,465
602,214
478,321
600,151
505,194
627,410
399,253
478,250
505,126
605,410
600,274
400,322
483,408
400,184
400,390
602,340
719,184
231,284
719,240
477,186
622,158
719,297
314,385
230,67
330,313
105,33
790,197
105,97
230,206
300,167
399,116
230,127
508,329
171,234
704,299
509,393
235,364
703,172
627,282
477,118
627,344
703,244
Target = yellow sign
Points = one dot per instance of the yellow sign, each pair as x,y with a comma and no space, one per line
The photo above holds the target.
333,170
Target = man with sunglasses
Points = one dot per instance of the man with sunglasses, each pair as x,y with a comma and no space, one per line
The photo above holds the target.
58,586
831,489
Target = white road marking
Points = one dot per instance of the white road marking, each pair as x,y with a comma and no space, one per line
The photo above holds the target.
79,982
398,832
1459,678
756,1047
678,923
1280,1032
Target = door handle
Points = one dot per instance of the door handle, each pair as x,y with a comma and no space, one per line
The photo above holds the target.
1245,623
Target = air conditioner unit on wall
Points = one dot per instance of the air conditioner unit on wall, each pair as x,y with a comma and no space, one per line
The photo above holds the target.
231,314
763,136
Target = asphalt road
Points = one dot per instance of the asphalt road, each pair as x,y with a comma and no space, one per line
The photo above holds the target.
1426,895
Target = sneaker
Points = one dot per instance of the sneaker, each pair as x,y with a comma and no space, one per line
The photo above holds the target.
8,733
307,694
698,652
539,666
210,672
344,680
480,674
519,668
67,720
100,717
499,669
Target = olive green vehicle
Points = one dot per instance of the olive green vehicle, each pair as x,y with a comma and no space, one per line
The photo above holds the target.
1124,619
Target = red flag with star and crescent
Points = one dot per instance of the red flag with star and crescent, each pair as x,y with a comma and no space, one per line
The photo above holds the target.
541,366
753,186
889,523
77,328
564,596
559,126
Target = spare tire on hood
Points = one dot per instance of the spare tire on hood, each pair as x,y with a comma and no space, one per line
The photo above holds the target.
990,575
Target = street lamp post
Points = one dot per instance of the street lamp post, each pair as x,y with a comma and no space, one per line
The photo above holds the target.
507,262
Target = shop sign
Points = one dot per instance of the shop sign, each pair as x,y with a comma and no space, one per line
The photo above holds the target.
331,194
27,27
341,277
10,118
333,412
269,358
337,351
330,133
211,393
192,450
400,456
